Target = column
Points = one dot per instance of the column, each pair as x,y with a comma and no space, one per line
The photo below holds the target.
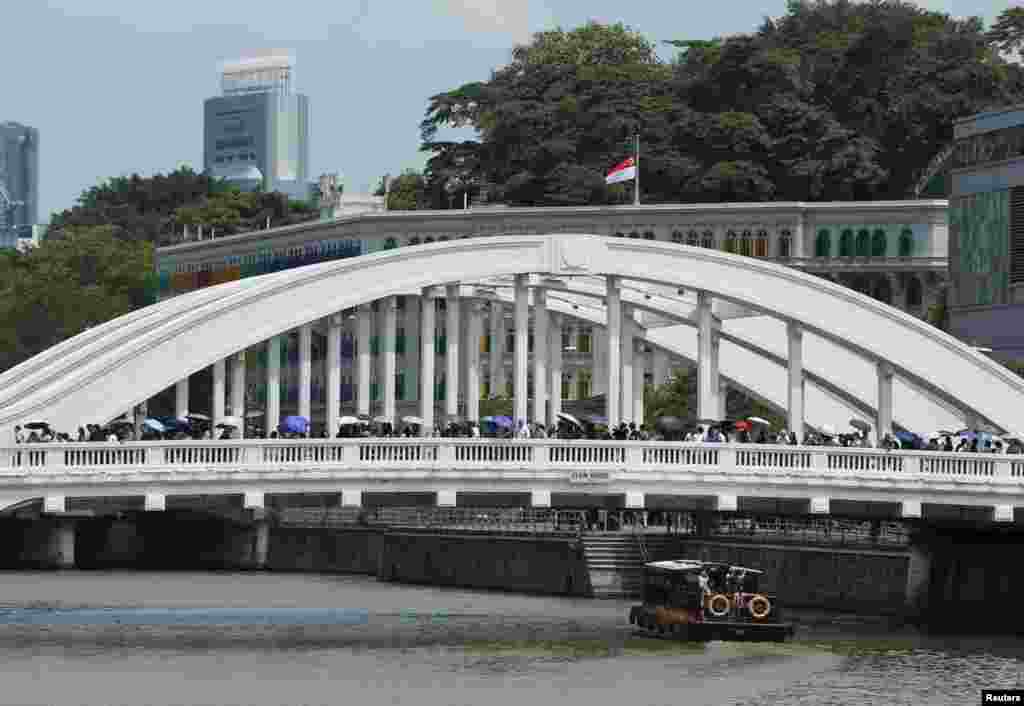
217,403
451,357
599,360
333,374
555,368
707,405
427,316
273,409
305,368
795,385
659,367
363,360
390,363
884,424
638,383
522,322
798,235
475,327
540,356
181,398
626,381
722,399
497,356
411,360
613,361
238,390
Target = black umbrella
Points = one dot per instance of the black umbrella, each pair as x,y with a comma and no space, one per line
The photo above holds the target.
37,425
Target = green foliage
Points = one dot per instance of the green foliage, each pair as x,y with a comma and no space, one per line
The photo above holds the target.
836,100
678,398
67,285
408,192
1007,34
496,407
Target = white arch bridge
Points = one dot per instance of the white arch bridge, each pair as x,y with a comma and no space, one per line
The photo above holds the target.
821,352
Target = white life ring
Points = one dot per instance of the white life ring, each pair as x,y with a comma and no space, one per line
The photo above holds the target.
759,607
718,605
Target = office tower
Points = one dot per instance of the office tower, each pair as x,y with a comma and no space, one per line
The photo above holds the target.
19,182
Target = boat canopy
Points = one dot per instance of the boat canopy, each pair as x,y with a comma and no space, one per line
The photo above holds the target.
688,565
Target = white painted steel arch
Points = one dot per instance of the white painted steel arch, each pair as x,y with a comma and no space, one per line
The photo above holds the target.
104,371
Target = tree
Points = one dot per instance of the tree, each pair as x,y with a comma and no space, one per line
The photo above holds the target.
836,100
408,192
101,277
678,398
1007,34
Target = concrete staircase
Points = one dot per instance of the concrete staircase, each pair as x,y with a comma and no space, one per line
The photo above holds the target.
615,560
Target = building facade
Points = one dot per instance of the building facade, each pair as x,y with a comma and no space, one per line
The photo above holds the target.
19,182
894,251
986,219
256,134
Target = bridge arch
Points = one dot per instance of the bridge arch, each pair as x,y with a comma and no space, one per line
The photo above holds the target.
105,371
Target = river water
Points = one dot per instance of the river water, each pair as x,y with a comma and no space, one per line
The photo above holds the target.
255,639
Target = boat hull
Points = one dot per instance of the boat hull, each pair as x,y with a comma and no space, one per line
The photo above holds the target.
653,623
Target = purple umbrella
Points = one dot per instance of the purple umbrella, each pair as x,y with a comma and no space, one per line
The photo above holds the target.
294,425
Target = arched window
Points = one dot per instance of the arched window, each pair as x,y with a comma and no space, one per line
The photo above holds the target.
914,294
785,242
863,242
415,240
761,244
691,237
730,241
878,243
846,243
619,234
677,236
906,242
390,244
707,239
747,243
823,244
634,234
648,235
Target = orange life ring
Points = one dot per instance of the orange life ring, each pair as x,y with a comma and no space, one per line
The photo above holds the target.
759,607
718,605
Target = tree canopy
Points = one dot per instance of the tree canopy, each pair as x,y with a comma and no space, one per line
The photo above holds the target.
836,100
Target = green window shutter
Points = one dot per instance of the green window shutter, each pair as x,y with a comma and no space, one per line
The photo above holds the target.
374,391
374,345
823,243
400,386
878,243
863,242
400,344
906,242
846,243
439,391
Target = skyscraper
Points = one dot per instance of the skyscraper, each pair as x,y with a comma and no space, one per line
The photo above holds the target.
256,133
19,182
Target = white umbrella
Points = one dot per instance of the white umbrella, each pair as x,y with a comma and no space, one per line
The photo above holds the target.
412,420
197,415
254,413
569,418
828,430
381,420
231,422
348,421
759,420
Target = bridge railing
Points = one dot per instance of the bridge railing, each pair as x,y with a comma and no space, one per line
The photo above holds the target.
499,454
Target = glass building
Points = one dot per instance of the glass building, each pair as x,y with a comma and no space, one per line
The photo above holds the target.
256,134
986,232
19,182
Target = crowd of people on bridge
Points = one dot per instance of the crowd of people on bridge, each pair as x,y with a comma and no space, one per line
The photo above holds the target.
200,428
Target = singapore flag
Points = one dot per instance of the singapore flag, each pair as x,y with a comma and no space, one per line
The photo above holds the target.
622,172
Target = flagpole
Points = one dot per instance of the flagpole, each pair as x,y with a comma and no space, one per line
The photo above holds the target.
636,164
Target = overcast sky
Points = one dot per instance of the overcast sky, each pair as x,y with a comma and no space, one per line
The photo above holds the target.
117,86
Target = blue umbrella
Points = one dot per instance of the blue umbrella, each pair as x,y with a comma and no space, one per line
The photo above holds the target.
909,438
499,421
155,425
295,425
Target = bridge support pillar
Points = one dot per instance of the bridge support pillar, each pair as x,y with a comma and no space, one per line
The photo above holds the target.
1003,513
555,369
819,506
333,374
390,362
884,422
475,327
54,504
540,356
363,359
520,353
181,398
496,372
635,500
351,498
258,544
614,360
254,500
217,401
238,390
427,318
540,498
919,569
726,503
305,369
446,498
155,502
707,385
723,398
626,379
61,546
911,509
453,336
795,386
273,408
